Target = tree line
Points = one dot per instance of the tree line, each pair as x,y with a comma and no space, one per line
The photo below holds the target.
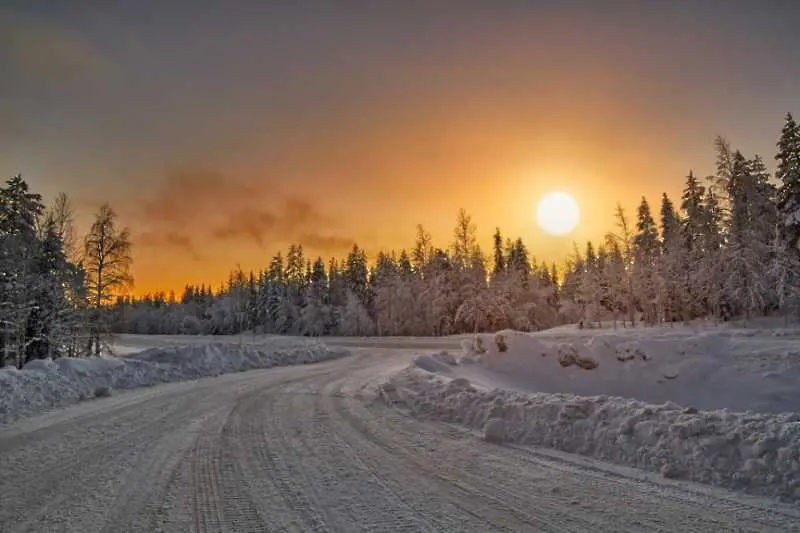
56,292
728,249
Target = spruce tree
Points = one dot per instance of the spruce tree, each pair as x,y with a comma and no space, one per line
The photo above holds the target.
788,176
499,257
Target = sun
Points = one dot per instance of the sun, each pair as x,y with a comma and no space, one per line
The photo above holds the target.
558,213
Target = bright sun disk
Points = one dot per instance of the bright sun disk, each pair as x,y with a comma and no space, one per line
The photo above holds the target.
558,213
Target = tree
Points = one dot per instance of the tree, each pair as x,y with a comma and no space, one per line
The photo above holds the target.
788,176
423,250
784,273
315,313
720,181
20,210
748,247
623,238
646,252
499,256
464,239
108,259
62,216
693,223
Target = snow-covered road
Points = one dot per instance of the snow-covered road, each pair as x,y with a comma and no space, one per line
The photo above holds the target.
303,449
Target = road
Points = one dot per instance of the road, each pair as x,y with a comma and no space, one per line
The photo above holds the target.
306,449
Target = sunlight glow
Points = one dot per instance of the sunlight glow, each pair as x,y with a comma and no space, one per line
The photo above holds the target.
558,213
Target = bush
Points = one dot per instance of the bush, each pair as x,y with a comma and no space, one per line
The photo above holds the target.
500,340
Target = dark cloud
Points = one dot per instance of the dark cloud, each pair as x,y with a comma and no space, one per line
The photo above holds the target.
209,204
186,195
247,223
169,239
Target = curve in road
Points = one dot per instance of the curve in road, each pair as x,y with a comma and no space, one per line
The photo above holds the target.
308,449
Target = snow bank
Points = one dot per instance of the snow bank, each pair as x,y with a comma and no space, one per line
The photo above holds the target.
708,369
46,384
756,453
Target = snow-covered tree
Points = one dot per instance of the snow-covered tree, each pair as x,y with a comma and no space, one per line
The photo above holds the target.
646,252
748,247
788,176
623,238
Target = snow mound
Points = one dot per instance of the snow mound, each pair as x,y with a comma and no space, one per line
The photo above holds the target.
709,369
756,453
432,364
46,384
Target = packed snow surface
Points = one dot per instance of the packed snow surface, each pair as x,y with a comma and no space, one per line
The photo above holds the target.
714,406
714,368
46,384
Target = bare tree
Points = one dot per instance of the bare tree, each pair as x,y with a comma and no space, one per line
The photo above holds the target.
465,239
62,216
107,260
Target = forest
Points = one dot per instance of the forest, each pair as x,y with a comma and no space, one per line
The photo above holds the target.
727,248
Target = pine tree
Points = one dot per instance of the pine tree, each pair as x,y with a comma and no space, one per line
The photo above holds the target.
52,319
710,270
499,257
277,297
691,288
720,181
646,251
788,176
670,222
747,251
784,274
315,314
20,210
694,214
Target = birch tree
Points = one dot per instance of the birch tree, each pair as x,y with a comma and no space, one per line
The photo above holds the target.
108,259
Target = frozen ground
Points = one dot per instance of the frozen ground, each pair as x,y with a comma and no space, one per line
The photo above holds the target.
307,448
670,400
47,384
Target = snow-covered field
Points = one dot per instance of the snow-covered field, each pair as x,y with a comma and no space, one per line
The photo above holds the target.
719,406
143,362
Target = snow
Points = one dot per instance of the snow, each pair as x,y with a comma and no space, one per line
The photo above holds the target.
46,384
713,405
707,368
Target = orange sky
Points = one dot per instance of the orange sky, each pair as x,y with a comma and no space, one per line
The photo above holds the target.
220,137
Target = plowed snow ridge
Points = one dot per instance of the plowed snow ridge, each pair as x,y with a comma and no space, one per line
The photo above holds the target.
47,384
755,452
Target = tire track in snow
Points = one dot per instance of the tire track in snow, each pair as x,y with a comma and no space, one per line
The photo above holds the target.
106,453
505,507
596,489
301,449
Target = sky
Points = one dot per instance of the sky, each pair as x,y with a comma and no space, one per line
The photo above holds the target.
221,132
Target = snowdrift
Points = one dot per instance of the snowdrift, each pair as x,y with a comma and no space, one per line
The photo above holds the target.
756,453
718,406
46,384
712,369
